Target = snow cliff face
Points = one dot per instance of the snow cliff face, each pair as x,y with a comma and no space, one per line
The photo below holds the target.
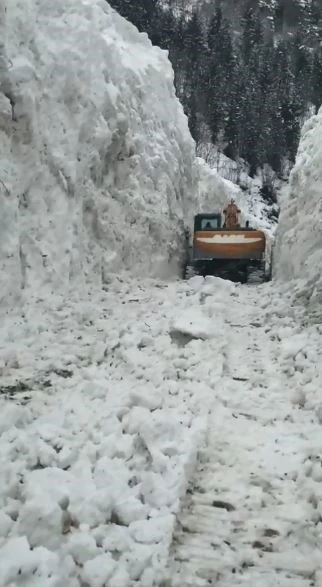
298,251
96,158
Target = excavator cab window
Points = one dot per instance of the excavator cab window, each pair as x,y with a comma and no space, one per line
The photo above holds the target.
208,222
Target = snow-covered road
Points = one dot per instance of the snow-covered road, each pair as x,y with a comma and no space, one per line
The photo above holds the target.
252,513
189,410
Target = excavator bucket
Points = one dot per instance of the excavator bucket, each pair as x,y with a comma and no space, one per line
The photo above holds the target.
235,253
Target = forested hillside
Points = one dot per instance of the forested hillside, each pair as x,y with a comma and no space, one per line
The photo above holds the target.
247,72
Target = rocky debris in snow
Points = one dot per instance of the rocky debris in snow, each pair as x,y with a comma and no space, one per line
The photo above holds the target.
217,503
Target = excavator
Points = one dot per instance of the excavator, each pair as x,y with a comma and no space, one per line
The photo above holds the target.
227,249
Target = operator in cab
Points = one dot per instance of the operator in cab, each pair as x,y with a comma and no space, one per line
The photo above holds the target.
231,213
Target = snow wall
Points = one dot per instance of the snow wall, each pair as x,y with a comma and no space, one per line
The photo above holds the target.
298,251
97,168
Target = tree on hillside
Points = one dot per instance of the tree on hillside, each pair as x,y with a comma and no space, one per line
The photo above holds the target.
220,72
161,28
234,119
316,87
248,88
252,37
287,15
139,12
189,66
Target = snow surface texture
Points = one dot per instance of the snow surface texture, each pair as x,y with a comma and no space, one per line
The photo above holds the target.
109,406
103,406
298,252
96,167
252,514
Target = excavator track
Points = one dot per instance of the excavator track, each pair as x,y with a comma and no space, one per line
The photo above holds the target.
189,272
252,277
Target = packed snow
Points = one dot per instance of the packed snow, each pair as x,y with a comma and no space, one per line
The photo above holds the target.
97,163
298,254
252,514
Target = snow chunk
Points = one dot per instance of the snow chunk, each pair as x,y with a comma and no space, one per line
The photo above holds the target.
153,531
13,416
97,571
147,398
120,578
193,324
42,522
16,558
39,567
82,547
116,538
130,509
5,524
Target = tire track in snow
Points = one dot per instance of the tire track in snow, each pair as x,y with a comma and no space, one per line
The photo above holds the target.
246,512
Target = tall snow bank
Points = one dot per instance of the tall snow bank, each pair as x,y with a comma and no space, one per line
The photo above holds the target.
298,253
96,156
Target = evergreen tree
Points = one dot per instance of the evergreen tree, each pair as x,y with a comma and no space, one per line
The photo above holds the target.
287,15
234,120
161,29
192,68
302,66
251,120
316,80
252,37
139,12
220,72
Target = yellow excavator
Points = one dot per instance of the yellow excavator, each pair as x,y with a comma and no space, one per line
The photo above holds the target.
226,249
